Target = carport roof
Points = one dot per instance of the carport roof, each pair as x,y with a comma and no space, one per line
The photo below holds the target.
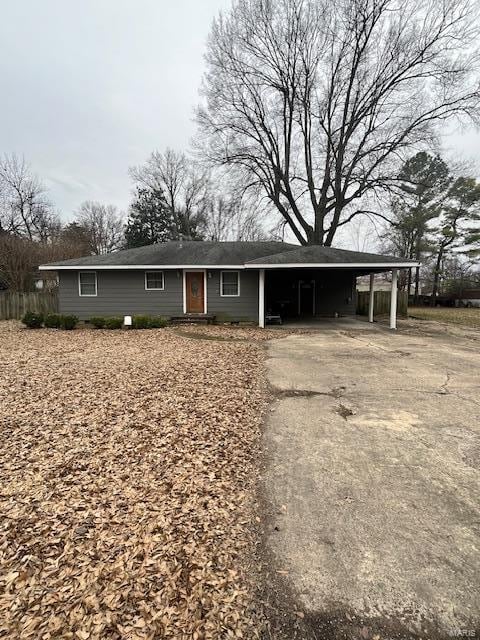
319,256
244,255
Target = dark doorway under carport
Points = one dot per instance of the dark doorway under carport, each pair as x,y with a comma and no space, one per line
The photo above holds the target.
306,293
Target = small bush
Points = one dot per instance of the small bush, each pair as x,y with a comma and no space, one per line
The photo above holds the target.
141,322
158,322
113,323
148,322
98,323
68,322
53,321
32,320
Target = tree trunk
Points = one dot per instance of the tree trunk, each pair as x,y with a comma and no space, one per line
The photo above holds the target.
417,283
436,277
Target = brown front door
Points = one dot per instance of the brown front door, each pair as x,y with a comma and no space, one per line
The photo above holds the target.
195,291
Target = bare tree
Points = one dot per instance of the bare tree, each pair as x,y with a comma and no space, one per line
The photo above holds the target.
185,187
104,225
318,103
20,258
24,207
230,218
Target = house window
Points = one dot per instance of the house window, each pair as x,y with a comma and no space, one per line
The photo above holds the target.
154,280
87,283
229,283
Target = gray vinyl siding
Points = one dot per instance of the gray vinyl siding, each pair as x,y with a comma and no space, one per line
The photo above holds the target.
121,293
243,307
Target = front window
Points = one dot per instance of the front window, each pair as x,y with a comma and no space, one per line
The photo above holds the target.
229,283
153,280
87,283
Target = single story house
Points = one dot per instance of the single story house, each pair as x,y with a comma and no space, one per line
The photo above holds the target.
236,281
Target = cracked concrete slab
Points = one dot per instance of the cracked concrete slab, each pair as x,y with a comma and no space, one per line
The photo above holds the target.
373,474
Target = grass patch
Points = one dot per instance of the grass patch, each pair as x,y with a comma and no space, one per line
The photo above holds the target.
450,315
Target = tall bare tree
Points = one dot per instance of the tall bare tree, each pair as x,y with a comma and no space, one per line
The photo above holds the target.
103,224
184,185
318,103
232,218
24,207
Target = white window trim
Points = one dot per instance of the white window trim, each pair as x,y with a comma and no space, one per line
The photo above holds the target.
205,280
87,295
162,288
229,295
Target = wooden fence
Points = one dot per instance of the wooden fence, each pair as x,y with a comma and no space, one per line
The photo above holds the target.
14,304
381,303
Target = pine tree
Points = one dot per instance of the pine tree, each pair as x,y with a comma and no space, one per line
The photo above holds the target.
460,208
150,219
424,181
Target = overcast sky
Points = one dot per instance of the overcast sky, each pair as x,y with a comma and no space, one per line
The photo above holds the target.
91,87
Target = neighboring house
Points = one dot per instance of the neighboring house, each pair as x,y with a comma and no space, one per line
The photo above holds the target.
468,298
462,298
381,285
233,281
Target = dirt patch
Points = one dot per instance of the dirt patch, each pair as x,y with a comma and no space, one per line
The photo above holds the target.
128,473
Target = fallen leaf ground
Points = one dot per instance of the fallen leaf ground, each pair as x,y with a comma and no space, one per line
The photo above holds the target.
128,466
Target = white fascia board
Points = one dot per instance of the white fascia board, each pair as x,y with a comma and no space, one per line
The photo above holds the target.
338,265
138,267
296,265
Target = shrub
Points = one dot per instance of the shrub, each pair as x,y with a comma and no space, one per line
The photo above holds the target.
158,322
32,320
68,322
53,321
141,322
98,322
113,323
148,322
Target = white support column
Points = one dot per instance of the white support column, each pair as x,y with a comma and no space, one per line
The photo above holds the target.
261,298
393,300
371,300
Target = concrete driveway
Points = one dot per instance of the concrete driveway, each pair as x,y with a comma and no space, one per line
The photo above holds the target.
373,481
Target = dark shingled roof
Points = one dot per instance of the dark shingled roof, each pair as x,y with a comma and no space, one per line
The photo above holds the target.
190,253
315,254
185,252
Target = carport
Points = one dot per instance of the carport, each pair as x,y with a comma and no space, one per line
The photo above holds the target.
316,281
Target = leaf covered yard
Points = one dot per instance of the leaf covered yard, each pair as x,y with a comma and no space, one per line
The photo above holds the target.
127,479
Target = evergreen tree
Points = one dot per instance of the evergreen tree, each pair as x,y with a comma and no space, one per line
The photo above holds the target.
472,239
424,181
150,219
460,208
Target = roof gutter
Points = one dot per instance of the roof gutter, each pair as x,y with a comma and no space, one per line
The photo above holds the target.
336,265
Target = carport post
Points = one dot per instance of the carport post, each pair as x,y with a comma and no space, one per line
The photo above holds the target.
371,299
393,300
261,298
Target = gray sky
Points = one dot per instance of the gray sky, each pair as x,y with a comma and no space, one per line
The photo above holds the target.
90,87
